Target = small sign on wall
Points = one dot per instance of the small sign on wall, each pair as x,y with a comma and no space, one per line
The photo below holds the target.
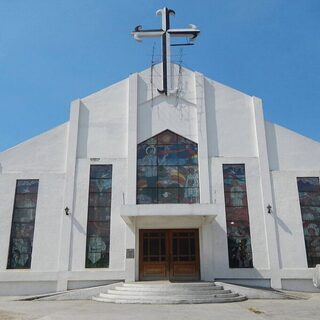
130,254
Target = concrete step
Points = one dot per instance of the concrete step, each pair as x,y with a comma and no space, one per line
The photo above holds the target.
173,300
178,296
167,288
169,293
165,284
163,292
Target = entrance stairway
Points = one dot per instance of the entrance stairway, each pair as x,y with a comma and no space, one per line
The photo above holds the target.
161,292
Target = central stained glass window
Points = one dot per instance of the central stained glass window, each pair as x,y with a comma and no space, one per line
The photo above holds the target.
167,170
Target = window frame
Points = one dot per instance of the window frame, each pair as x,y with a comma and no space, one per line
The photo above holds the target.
14,222
312,260
234,234
179,165
98,223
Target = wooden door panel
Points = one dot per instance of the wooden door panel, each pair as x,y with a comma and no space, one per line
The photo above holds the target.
184,270
153,255
185,263
154,271
169,254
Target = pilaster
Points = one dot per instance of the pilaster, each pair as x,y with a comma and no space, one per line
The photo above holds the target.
132,170
266,191
66,220
203,159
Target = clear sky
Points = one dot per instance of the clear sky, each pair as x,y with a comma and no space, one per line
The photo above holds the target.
53,51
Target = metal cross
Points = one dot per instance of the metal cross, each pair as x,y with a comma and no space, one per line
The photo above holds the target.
166,33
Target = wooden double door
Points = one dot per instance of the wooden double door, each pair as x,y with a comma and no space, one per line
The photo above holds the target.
169,254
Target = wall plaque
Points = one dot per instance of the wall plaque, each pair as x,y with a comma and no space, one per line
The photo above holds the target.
130,254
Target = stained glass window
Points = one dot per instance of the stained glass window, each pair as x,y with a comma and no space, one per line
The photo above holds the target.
24,212
237,215
167,170
309,196
98,228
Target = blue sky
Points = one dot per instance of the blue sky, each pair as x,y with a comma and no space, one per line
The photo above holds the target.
52,52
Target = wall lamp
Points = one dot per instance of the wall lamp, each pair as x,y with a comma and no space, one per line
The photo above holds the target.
67,211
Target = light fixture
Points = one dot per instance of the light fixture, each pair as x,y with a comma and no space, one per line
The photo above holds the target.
269,208
66,210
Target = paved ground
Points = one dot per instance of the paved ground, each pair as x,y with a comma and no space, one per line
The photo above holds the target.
251,309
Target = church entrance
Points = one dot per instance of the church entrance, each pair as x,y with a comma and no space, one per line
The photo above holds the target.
169,254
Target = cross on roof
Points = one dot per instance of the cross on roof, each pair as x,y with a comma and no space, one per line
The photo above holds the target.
166,33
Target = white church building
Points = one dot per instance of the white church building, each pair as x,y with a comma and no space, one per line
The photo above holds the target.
189,185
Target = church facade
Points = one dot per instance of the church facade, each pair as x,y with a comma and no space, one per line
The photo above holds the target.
138,185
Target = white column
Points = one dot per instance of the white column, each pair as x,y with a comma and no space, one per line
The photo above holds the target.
202,140
132,170
66,221
266,191
132,138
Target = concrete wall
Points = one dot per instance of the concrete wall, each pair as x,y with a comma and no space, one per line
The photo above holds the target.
224,123
103,123
101,139
79,224
43,158
156,113
230,122
46,152
291,155
290,151
105,128
256,218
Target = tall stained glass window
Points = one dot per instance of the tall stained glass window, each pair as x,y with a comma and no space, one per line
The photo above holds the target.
167,170
24,212
98,228
237,215
309,195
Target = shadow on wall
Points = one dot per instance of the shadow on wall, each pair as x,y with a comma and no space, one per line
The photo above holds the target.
150,114
281,223
145,130
272,146
143,90
274,165
83,133
212,131
278,222
75,224
78,226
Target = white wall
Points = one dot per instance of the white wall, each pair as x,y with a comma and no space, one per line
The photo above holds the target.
103,123
161,114
288,217
230,122
256,212
289,150
80,214
230,134
43,158
45,152
102,139
291,155
229,128
156,112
